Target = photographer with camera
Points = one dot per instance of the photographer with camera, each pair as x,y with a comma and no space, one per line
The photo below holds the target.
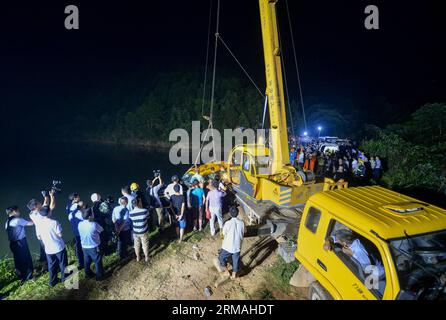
49,231
152,192
35,206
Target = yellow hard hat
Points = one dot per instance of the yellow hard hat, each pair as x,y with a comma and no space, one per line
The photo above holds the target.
134,186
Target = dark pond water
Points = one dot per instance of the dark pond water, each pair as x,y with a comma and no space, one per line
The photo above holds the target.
83,168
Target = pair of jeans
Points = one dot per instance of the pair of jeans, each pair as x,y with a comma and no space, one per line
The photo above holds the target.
57,262
216,213
197,213
124,240
22,259
93,255
79,252
376,173
42,257
223,259
104,237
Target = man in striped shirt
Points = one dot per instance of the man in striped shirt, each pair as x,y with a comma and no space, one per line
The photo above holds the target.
140,217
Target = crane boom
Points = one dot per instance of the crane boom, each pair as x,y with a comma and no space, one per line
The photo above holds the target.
274,85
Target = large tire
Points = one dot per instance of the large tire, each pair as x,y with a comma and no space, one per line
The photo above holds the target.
317,292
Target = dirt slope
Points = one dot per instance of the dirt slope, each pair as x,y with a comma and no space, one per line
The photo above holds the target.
184,271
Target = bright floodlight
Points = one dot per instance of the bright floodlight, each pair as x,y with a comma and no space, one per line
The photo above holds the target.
305,133
319,128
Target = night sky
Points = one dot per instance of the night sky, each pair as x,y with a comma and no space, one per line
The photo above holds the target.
43,66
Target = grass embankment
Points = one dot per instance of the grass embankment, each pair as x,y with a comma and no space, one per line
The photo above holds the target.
278,279
11,287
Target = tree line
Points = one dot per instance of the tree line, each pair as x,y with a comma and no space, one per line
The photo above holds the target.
414,148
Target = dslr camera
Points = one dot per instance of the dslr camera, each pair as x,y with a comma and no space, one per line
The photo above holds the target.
56,187
157,173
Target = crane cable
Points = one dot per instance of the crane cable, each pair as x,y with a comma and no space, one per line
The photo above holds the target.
297,65
211,114
241,66
207,58
204,84
286,83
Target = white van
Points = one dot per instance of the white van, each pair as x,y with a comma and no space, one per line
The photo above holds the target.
328,147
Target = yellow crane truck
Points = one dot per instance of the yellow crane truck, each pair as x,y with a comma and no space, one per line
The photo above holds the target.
403,238
401,241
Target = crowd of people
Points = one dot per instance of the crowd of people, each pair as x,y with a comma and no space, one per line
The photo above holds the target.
343,162
100,227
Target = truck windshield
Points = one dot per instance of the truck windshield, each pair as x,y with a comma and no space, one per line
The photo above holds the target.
420,262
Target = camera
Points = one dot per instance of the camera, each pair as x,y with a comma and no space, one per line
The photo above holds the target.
157,173
56,187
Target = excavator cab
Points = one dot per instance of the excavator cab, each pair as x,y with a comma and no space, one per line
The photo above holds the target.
253,160
246,164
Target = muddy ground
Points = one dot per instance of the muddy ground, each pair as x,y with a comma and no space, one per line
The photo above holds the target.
183,271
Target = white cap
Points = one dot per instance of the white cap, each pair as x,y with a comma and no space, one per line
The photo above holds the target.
95,197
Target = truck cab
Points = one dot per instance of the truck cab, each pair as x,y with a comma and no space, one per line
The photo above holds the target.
396,247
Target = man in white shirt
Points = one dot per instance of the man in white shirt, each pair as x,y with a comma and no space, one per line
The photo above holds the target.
354,249
35,206
50,232
89,232
233,232
169,189
123,226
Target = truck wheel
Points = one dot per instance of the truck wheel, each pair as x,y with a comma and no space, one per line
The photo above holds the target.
317,292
